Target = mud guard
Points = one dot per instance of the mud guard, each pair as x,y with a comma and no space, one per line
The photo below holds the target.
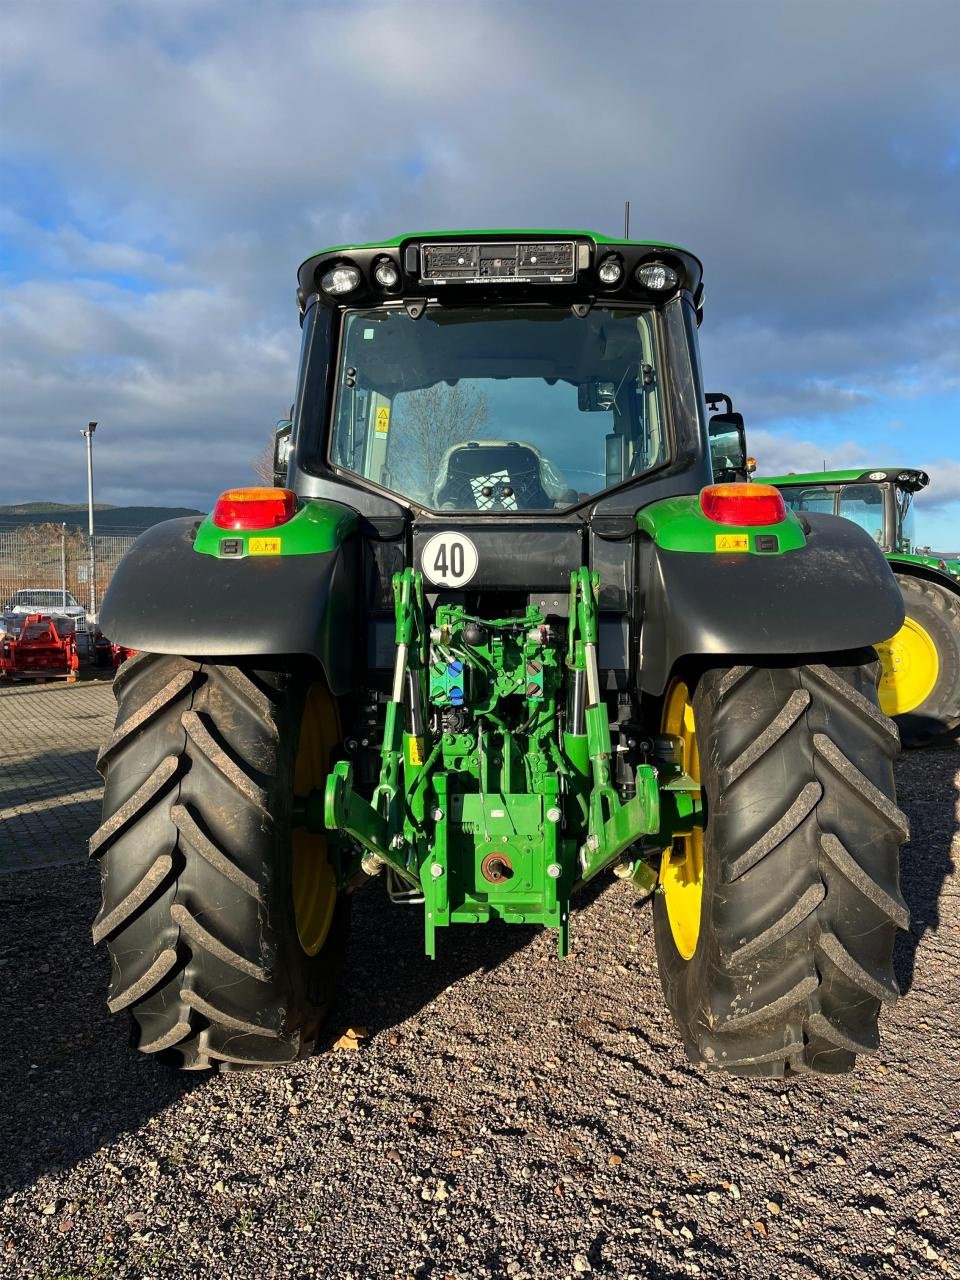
835,593
166,598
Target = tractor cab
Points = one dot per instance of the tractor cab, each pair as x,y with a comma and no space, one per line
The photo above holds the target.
482,374
879,500
518,396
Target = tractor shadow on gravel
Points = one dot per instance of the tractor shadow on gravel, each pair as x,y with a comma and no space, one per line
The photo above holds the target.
387,976
929,798
49,805
70,1082
48,775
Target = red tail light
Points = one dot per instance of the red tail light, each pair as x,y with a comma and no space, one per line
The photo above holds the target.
254,508
743,504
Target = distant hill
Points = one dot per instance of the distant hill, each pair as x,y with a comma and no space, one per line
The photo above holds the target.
106,518
30,508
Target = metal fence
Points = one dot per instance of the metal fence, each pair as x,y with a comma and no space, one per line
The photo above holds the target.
51,555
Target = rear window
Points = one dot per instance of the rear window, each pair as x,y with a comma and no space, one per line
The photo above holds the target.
501,408
818,498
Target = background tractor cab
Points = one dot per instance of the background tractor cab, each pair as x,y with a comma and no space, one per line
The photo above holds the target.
920,685
879,500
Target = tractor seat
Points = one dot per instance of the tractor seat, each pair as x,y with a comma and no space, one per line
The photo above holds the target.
493,477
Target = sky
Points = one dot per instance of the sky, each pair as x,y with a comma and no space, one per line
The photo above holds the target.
165,167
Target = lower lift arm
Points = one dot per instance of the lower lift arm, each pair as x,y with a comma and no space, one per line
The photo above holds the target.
379,825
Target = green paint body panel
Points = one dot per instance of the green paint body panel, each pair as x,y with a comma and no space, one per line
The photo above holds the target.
857,475
317,527
678,524
909,560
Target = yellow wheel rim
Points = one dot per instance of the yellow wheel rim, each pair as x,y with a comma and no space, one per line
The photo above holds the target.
314,881
681,868
910,668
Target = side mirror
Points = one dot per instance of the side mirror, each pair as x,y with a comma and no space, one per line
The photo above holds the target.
282,440
596,396
723,422
728,447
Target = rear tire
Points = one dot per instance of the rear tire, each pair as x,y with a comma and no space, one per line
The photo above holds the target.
936,611
196,854
800,893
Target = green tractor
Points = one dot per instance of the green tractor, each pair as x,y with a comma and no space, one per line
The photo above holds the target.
495,633
920,684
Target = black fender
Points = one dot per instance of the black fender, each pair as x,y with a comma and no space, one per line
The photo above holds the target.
167,598
938,577
836,593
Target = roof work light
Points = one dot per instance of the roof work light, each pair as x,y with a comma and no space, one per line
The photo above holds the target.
657,276
340,279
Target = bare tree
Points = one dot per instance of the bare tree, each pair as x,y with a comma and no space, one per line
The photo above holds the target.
428,422
263,463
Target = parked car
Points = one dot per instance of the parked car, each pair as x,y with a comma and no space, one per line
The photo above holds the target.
49,601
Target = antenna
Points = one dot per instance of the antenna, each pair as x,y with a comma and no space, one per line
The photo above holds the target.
626,219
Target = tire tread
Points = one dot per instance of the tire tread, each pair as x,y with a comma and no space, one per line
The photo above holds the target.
197,779
796,946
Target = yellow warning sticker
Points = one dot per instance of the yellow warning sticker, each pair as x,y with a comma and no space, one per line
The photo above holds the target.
414,751
383,420
264,546
732,542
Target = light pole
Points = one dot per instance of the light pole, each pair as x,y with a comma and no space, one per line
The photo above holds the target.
63,565
88,436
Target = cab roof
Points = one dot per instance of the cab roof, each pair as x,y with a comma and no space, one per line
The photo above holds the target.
497,233
904,477
592,246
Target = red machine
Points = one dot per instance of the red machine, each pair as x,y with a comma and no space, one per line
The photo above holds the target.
108,654
119,653
39,651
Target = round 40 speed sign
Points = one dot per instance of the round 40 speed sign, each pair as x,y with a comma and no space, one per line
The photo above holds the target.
449,560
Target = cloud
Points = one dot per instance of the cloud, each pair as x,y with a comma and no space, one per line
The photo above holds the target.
944,487
175,162
778,454
184,395
67,250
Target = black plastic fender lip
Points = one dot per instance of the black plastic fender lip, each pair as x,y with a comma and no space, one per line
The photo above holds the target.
837,593
167,598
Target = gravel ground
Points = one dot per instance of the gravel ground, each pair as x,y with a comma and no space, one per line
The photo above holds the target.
505,1114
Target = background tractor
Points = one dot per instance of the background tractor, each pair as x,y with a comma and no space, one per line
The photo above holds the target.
920,684
496,632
